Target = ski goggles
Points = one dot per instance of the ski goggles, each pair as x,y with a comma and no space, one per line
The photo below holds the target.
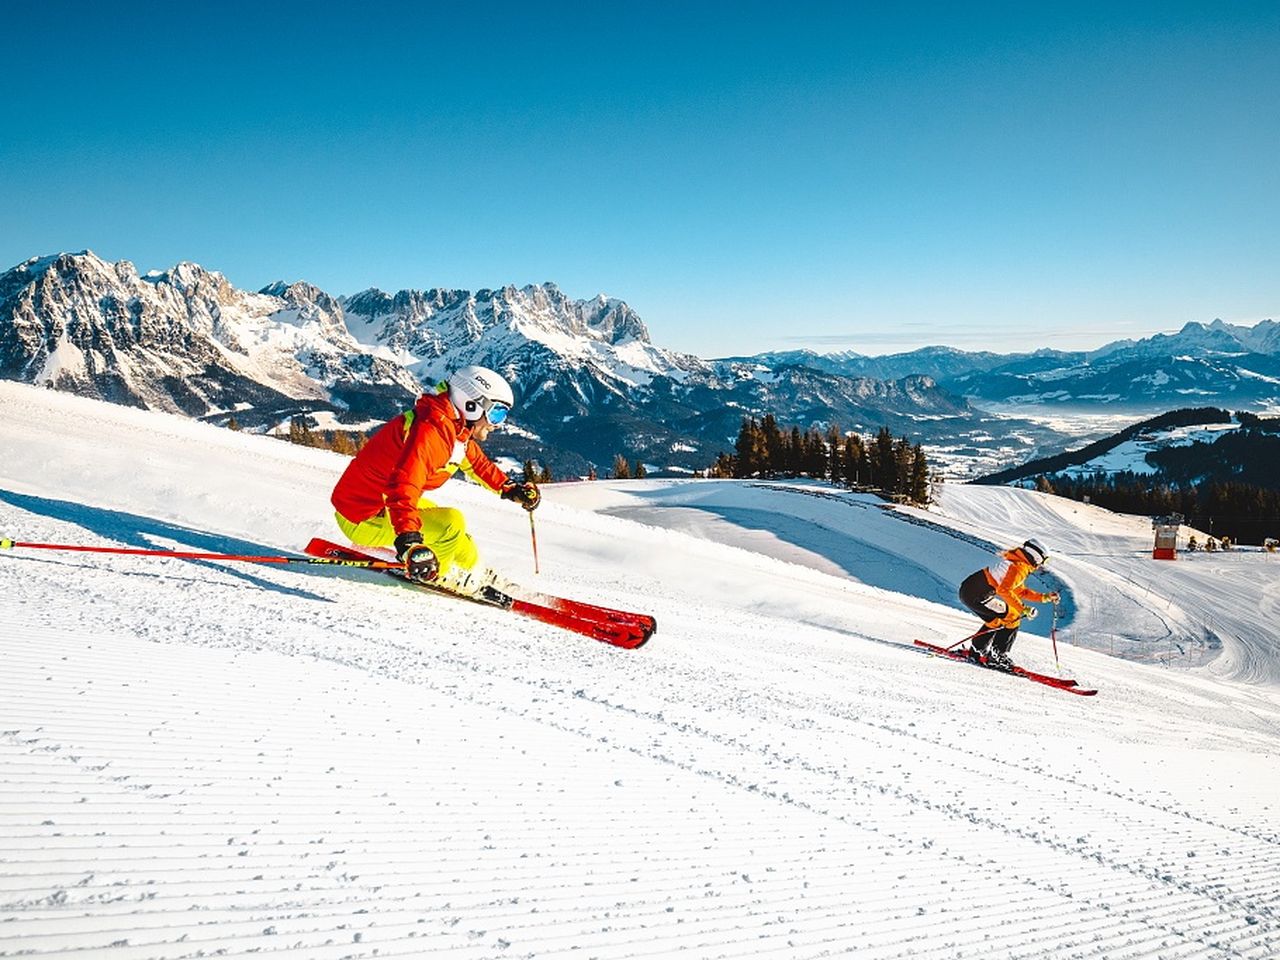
496,412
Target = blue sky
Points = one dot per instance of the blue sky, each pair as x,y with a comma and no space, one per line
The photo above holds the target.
747,176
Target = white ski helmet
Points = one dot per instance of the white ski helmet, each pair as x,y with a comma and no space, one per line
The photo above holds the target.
1034,551
478,392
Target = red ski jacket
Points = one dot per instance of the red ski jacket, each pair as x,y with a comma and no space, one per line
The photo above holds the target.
416,451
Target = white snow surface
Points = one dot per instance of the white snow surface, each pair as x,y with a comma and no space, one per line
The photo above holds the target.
204,758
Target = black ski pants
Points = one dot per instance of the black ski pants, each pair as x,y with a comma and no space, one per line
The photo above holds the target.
977,595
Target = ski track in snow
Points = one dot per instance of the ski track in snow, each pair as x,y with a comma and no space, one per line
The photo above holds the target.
201,758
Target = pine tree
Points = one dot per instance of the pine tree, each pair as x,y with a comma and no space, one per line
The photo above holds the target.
835,455
723,467
919,489
883,467
902,460
793,454
300,431
234,424
773,445
620,469
815,454
750,449
638,470
857,468
343,444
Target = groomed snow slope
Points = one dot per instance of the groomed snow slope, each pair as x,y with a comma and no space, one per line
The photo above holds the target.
1220,611
200,758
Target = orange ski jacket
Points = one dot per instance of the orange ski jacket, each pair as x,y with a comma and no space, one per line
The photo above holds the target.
416,451
1007,578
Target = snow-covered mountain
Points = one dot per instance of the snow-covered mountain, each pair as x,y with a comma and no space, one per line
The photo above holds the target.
1144,377
432,330
937,363
187,341
1197,339
589,382
216,759
1218,363
1127,450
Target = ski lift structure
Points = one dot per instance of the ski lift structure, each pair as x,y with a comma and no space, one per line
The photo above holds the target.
1166,530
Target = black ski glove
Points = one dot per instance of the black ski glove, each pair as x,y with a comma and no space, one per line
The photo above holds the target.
526,494
420,563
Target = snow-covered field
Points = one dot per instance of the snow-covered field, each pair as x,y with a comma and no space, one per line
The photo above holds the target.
207,758
1131,455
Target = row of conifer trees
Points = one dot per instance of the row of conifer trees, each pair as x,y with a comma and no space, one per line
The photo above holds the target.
894,467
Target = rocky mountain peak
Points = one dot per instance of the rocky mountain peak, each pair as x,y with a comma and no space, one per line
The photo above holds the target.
305,303
588,380
372,303
616,322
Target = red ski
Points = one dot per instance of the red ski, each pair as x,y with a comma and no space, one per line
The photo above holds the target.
621,628
590,611
1070,686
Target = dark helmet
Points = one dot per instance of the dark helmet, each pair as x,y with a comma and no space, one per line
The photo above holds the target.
1034,551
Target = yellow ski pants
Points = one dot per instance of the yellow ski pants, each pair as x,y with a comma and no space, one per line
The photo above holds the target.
444,530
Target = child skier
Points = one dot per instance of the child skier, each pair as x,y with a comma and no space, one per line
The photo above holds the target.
997,594
379,499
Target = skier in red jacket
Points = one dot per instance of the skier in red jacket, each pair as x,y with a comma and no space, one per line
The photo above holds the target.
379,499
998,595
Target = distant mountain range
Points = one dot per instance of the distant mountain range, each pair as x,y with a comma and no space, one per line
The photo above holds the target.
589,382
1218,363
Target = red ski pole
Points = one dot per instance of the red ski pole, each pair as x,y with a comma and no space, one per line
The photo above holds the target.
975,636
7,544
533,537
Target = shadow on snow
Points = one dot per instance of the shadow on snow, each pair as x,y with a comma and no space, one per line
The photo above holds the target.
864,560
145,533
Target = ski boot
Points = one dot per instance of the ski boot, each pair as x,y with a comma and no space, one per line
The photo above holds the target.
478,583
999,660
462,581
977,655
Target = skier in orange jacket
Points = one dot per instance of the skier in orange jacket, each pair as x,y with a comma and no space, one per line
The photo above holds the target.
379,499
999,596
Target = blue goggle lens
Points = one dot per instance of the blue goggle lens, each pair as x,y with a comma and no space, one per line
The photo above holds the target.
498,413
